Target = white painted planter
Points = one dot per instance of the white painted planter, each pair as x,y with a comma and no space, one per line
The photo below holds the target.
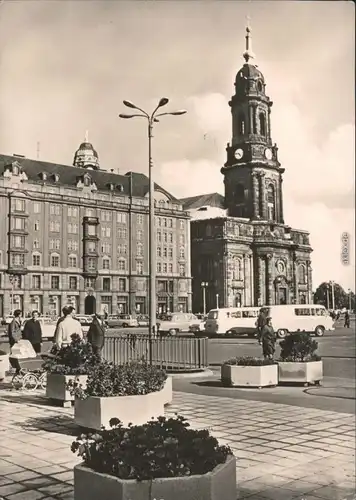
56,386
95,412
4,365
165,396
215,485
249,376
311,371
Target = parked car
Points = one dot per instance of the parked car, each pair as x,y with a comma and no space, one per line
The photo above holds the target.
122,321
143,319
85,320
197,327
173,323
48,327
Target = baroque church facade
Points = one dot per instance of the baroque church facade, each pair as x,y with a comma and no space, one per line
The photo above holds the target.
243,253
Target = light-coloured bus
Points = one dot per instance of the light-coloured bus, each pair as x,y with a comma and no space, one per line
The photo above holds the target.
311,318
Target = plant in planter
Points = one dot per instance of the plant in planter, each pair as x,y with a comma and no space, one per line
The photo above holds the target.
163,458
249,372
66,363
135,392
298,359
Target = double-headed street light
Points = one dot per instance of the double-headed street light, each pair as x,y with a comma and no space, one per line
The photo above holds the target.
151,118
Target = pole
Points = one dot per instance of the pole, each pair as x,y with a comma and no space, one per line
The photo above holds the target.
217,301
333,295
350,300
204,300
152,249
327,297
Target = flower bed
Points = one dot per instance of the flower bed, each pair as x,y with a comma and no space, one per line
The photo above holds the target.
249,372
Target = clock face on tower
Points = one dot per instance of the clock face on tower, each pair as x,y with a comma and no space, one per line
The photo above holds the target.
268,154
239,154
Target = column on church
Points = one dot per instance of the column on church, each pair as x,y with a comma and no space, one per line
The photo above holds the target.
269,279
250,121
310,284
263,196
281,216
247,280
256,198
252,282
269,123
295,280
260,281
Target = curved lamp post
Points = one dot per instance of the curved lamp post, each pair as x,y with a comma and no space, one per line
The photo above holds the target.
151,119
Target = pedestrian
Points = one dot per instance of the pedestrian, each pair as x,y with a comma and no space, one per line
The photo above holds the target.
261,321
268,338
96,334
14,329
67,327
347,320
33,332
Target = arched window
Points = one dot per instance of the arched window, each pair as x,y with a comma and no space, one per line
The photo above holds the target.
262,118
302,274
271,202
237,269
241,124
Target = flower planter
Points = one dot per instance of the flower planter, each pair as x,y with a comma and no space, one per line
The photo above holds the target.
95,412
249,376
215,485
4,365
165,395
308,372
56,386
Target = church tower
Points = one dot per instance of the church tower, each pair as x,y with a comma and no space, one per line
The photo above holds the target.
252,172
86,156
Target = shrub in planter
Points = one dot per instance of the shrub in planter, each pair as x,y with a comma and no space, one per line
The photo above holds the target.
129,391
298,359
64,364
163,458
249,372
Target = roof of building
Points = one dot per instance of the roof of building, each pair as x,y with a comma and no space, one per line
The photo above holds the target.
69,176
208,200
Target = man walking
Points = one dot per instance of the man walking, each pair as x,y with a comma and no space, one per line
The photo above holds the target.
347,320
268,338
96,334
14,330
33,332
66,328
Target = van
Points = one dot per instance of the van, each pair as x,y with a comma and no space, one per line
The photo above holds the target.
241,319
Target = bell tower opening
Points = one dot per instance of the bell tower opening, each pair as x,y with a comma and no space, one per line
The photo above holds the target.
271,202
262,118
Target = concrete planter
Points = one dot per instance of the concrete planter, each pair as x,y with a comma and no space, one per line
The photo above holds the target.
215,485
166,394
4,365
311,371
95,412
249,376
56,387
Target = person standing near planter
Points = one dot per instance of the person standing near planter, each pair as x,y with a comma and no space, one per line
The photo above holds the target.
14,330
268,338
33,332
66,328
96,334
261,322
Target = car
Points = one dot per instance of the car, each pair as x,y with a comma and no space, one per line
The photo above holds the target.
122,321
85,320
172,323
143,320
197,327
48,327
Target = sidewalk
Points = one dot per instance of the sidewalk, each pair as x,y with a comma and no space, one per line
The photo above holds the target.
283,452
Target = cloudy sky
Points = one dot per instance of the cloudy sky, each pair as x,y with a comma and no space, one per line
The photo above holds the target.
66,66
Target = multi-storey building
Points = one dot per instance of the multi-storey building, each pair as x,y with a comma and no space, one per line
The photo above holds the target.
79,235
242,251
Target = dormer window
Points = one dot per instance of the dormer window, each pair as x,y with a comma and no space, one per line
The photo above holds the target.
15,170
120,188
56,177
87,180
43,176
111,186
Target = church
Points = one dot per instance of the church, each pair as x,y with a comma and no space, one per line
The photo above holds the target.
243,253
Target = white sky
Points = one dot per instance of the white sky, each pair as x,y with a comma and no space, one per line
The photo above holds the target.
65,67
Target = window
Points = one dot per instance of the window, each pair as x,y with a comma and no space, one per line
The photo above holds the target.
262,118
72,261
170,239
106,263
54,226
91,263
159,252
139,250
164,268
121,218
122,233
105,216
18,223
36,208
106,284
36,225
165,252
122,284
139,219
159,267
72,228
170,223
91,229
170,268
165,237
170,252
55,282
181,239
122,249
121,265
17,282
302,275
241,124
181,224
164,221
18,241
89,212
54,260
182,253
159,236
72,245
36,259
139,234
36,244
18,259
139,267
90,283
54,209
36,282
271,204
91,246
18,205
237,273
72,211
106,248
181,270
73,283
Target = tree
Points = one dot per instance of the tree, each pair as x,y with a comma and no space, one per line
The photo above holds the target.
340,296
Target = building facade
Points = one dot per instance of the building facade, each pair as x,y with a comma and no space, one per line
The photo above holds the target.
78,235
243,252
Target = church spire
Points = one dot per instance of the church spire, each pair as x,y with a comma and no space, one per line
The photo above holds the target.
86,137
248,54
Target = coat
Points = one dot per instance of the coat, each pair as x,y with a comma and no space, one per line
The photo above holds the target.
14,331
65,329
96,334
33,331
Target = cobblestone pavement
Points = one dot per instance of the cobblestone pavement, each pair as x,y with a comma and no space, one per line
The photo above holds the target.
283,452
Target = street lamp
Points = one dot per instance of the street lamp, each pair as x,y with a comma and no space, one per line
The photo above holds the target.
204,286
12,283
332,295
151,118
350,299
